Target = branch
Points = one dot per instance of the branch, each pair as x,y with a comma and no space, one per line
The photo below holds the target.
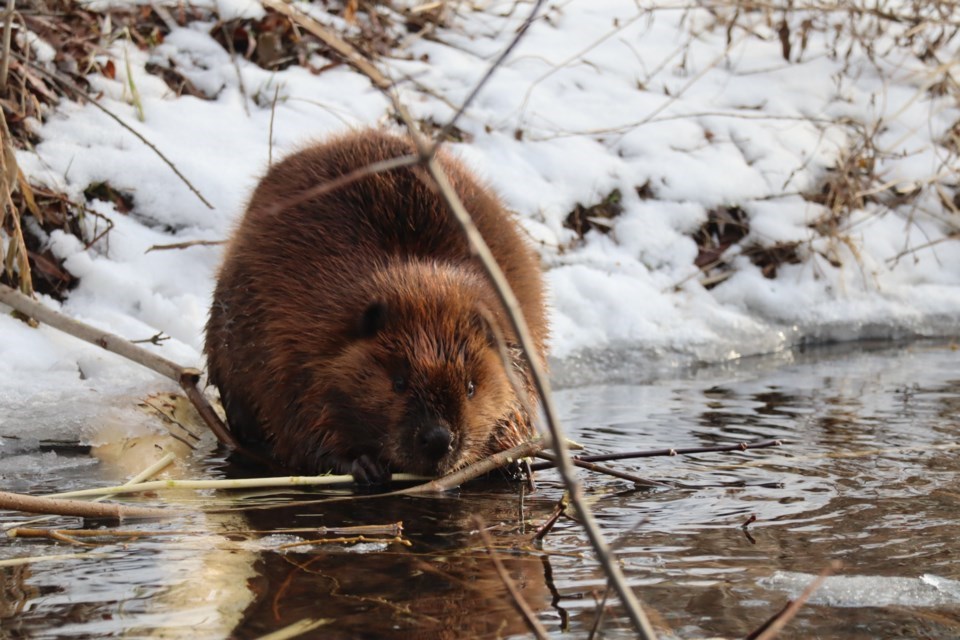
630,455
583,464
34,504
187,378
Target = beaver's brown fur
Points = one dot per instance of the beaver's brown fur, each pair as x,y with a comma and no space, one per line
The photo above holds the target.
351,332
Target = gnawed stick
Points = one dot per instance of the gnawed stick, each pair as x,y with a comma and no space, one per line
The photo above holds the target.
34,504
186,377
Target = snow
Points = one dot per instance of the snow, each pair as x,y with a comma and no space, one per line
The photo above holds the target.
600,95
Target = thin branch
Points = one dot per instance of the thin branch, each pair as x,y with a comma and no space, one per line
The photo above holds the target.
590,466
187,378
631,455
447,128
344,180
185,245
239,483
80,93
332,40
528,616
35,504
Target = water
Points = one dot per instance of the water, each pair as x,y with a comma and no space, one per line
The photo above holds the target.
868,474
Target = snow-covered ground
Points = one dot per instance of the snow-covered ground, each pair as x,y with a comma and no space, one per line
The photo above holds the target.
668,106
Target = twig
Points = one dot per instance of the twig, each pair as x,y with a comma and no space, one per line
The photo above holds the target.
771,628
184,245
547,526
476,469
187,378
630,455
346,540
79,92
601,610
528,616
240,483
34,504
344,180
7,30
447,128
273,113
583,464
332,40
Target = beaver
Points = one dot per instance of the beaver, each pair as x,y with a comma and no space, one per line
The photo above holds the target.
354,331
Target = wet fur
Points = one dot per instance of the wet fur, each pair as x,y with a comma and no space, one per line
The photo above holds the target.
321,307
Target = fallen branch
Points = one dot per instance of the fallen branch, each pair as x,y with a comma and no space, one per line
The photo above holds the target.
186,377
33,504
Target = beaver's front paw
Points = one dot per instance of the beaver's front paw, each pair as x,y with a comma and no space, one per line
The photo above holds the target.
366,470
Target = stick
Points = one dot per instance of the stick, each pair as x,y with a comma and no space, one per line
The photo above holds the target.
242,483
34,504
187,378
631,455
583,464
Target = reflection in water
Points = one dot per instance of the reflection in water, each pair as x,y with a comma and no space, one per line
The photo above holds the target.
868,474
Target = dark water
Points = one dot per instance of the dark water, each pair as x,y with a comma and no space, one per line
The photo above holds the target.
868,474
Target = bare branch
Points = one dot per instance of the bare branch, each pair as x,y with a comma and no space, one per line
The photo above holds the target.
186,377
34,504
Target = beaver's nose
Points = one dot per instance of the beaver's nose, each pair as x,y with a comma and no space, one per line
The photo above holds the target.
434,439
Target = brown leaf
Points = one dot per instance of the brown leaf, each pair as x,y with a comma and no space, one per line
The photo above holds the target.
109,70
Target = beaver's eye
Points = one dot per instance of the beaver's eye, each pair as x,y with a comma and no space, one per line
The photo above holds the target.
471,389
399,384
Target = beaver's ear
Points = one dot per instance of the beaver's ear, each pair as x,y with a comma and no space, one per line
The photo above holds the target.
373,319
482,322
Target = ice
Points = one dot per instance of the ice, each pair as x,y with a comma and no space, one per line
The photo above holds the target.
870,591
